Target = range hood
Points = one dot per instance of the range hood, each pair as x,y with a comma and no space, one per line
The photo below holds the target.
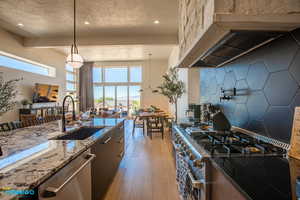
214,33
234,45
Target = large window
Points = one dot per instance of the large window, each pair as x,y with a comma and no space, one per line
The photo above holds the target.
15,62
71,79
117,87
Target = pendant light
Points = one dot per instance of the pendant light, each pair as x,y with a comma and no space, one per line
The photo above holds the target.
74,59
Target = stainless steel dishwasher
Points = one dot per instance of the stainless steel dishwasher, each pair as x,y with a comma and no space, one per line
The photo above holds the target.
71,182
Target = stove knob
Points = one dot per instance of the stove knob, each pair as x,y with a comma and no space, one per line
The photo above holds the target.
198,163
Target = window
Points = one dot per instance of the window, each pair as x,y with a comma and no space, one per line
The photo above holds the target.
97,75
15,62
134,97
117,87
109,99
116,74
135,74
71,79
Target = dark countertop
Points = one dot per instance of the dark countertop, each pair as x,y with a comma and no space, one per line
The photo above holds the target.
259,178
29,157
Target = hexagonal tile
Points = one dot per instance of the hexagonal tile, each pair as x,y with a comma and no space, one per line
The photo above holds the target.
280,88
220,75
241,115
258,127
278,121
206,74
228,108
241,68
295,67
295,102
257,75
281,58
296,34
229,81
242,91
257,105
229,68
212,86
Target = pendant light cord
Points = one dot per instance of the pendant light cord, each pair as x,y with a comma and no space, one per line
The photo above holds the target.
74,31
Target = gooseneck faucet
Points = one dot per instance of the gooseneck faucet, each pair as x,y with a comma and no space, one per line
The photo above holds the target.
63,112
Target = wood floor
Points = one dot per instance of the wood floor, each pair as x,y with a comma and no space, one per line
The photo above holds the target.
147,171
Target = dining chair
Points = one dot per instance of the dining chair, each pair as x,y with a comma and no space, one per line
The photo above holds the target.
138,122
155,124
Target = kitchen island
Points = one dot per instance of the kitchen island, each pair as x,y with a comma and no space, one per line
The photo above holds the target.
31,155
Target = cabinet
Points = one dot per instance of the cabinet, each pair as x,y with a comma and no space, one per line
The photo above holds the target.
109,151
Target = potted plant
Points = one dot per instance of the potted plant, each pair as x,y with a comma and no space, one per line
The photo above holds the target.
172,87
24,103
8,94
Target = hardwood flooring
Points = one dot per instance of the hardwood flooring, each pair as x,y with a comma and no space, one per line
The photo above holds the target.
147,171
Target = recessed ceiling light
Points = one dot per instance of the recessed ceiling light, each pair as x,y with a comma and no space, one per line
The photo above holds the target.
20,24
86,23
156,22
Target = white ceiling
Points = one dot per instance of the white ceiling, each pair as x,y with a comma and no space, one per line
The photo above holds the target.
125,26
52,18
120,53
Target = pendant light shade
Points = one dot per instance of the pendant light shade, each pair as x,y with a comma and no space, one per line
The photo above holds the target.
74,59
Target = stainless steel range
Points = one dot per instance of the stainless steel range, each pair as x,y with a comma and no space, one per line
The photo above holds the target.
194,147
233,144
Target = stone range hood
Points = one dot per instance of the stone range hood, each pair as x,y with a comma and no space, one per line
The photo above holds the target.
213,32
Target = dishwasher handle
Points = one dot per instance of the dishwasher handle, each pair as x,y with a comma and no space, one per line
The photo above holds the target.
52,191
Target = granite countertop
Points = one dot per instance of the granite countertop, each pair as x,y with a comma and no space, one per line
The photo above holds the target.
30,156
258,178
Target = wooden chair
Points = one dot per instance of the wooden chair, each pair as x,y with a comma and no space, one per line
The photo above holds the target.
27,117
5,127
155,125
138,123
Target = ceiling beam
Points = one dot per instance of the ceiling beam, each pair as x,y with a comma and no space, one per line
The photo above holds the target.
52,42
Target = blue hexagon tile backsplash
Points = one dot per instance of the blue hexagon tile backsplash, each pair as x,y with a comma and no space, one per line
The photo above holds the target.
267,82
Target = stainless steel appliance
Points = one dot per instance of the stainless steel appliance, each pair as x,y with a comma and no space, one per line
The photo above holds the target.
194,147
71,182
191,169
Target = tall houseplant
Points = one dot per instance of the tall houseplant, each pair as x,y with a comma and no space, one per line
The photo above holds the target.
8,94
172,87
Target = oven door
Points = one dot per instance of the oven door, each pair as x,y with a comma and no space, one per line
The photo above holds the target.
190,188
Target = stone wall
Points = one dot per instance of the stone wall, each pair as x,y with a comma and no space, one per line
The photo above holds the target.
196,16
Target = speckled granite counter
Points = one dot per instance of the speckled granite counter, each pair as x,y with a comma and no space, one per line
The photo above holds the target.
29,157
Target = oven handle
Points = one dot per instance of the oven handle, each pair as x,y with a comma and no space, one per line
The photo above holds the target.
198,184
52,191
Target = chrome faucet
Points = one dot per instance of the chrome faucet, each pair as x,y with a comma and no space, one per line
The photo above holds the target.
63,113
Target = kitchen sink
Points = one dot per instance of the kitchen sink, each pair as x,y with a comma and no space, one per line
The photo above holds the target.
79,134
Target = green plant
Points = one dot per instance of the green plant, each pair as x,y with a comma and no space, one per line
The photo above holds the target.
24,102
172,87
8,94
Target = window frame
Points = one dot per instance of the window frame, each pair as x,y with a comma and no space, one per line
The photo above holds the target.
71,82
51,71
116,84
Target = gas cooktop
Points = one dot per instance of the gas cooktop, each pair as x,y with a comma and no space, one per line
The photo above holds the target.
233,144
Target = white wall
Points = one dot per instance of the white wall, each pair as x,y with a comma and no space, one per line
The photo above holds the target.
192,84
13,45
151,77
